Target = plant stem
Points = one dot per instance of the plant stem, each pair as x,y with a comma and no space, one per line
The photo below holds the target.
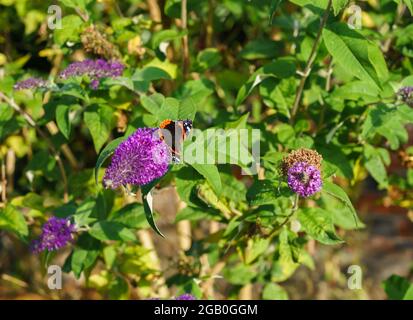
329,73
52,149
210,24
185,47
3,182
401,8
83,15
10,168
310,62
154,10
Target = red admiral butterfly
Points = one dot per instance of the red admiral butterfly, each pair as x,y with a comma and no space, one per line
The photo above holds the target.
174,133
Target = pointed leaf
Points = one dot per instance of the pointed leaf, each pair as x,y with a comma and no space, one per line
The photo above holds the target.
106,153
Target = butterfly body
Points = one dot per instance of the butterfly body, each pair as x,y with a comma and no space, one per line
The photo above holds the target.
174,133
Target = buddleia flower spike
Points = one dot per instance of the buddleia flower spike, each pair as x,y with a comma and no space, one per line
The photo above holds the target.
56,234
302,169
138,160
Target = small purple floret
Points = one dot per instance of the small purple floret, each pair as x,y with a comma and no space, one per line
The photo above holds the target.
56,234
406,95
95,69
30,83
140,159
185,296
304,179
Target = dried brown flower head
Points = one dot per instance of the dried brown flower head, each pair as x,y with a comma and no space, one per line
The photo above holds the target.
406,159
135,47
311,157
122,121
95,42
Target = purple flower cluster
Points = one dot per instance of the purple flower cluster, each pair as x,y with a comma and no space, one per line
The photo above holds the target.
95,69
406,95
56,233
304,179
140,159
30,83
185,296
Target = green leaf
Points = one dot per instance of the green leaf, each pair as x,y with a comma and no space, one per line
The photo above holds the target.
388,122
255,248
166,35
149,74
338,193
198,90
211,174
342,215
175,109
11,219
147,200
318,224
75,4
356,90
316,6
273,8
106,153
350,48
240,123
132,216
281,68
83,213
409,4
191,214
8,123
339,5
111,230
266,192
247,88
141,79
29,200
398,288
374,163
261,49
72,89
208,58
70,31
409,177
83,256
376,58
187,109
118,289
152,103
239,275
279,94
109,255
99,120
62,120
273,291
286,260
170,68
172,8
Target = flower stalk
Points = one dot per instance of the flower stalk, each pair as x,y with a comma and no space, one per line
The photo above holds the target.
310,62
